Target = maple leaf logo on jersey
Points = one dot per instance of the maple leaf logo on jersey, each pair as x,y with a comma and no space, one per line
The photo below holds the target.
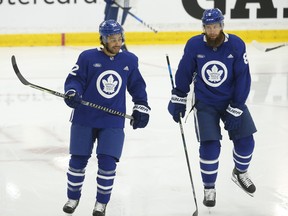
109,85
214,74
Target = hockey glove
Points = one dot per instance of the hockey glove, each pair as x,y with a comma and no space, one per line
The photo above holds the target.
177,104
72,99
109,1
233,118
140,116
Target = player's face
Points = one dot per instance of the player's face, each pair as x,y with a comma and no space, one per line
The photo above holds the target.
114,43
212,31
214,34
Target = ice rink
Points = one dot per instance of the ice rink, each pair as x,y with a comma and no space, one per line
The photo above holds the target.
152,177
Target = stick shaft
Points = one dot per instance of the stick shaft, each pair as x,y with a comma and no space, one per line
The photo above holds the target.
184,143
86,103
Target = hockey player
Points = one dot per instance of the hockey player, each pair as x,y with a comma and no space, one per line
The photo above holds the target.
218,63
112,11
101,76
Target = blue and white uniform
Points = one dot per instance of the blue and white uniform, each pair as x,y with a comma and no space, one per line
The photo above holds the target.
217,65
103,80
222,77
102,77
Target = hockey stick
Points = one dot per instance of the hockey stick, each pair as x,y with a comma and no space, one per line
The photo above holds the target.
86,103
263,49
184,143
137,18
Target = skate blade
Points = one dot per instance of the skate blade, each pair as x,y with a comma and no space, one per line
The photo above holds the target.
238,184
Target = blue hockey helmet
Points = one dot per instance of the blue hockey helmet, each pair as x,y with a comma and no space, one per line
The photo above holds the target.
212,16
110,27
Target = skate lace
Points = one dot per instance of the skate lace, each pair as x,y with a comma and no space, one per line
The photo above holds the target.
210,194
72,203
100,207
245,179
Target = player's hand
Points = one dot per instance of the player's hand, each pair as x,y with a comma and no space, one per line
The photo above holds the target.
140,116
73,98
233,118
109,1
177,104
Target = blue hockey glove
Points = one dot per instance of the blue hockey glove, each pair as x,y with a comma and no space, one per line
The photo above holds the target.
177,104
73,99
109,1
140,116
232,118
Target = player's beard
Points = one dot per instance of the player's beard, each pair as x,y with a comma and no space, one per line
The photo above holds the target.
216,41
112,50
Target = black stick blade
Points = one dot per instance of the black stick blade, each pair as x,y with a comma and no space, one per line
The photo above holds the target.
264,49
17,71
25,82
273,48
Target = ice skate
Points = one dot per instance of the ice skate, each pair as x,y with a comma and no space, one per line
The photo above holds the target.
99,209
243,181
70,206
209,197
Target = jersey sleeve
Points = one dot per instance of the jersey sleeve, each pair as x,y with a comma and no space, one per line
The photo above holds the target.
76,79
242,81
186,68
136,85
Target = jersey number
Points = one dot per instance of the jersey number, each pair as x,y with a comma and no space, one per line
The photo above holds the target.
245,58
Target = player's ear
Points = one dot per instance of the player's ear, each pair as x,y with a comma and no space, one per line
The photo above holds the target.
101,40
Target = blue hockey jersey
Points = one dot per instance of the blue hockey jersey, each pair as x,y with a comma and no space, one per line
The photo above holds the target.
103,80
222,74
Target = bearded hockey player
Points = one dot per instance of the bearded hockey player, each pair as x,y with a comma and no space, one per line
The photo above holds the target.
218,63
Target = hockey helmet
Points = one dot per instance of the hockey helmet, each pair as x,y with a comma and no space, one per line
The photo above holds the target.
211,16
110,27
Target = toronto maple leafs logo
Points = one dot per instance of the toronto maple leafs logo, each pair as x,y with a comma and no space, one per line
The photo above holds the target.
109,83
214,73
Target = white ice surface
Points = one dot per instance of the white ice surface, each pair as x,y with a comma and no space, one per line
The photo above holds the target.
152,177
